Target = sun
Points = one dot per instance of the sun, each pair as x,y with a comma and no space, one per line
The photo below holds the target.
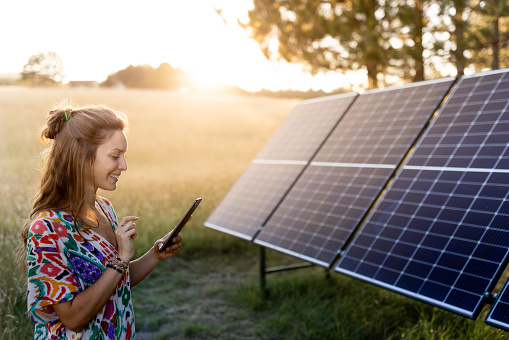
217,53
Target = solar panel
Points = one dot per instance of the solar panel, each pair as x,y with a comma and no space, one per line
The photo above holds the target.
440,232
499,313
267,179
335,191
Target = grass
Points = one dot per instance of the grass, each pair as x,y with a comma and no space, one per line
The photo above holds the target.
180,147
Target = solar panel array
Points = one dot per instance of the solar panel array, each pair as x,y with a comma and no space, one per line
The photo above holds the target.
278,164
334,193
440,233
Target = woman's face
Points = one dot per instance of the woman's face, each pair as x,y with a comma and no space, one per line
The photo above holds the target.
110,161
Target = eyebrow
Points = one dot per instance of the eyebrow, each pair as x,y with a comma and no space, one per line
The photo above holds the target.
117,149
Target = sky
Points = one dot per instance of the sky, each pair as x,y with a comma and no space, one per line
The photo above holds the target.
99,37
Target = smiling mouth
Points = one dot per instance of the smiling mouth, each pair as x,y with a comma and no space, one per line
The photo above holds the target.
115,176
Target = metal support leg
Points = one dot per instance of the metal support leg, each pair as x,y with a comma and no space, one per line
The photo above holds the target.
262,271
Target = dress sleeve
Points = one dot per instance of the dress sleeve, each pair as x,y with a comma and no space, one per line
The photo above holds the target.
50,280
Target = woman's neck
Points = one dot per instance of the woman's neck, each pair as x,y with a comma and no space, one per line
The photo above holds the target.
90,199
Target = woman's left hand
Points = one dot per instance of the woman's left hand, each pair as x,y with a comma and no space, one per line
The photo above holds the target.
169,251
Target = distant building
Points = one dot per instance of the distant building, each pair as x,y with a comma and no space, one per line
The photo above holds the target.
83,83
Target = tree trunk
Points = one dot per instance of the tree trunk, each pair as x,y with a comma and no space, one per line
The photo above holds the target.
458,53
372,76
419,49
495,45
460,27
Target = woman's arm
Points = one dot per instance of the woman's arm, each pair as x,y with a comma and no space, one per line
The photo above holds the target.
76,313
142,266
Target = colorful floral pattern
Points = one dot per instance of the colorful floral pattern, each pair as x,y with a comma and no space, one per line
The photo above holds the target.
63,262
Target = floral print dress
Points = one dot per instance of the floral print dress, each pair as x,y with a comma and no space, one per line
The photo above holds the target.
61,264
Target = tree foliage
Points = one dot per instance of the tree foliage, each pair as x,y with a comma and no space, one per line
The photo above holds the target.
325,35
455,22
408,39
408,31
145,76
489,35
43,69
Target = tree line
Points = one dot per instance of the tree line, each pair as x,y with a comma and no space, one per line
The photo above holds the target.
47,69
145,76
411,40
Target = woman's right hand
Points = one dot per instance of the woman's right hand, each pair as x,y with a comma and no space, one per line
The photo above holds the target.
125,233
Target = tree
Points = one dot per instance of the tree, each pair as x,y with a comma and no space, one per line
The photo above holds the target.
383,37
133,76
408,39
459,12
167,77
332,35
43,69
412,23
488,37
474,33
145,76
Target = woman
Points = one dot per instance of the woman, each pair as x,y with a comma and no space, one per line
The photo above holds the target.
79,255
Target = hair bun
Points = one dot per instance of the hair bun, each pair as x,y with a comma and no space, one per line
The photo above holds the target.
55,123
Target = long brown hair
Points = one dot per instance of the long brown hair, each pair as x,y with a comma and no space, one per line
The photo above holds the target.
74,135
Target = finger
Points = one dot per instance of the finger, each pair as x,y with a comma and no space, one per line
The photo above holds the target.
174,247
132,232
159,244
135,234
127,219
174,240
128,226
170,250
128,237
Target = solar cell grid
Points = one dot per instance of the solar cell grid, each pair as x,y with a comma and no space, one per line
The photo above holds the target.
440,234
499,313
322,197
446,146
381,121
253,196
304,130
261,187
336,190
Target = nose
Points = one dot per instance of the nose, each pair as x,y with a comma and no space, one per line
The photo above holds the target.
123,164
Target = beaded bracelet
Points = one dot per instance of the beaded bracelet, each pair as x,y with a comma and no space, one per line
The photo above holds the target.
123,263
109,265
118,265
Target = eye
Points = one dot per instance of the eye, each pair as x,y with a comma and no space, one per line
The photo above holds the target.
115,157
